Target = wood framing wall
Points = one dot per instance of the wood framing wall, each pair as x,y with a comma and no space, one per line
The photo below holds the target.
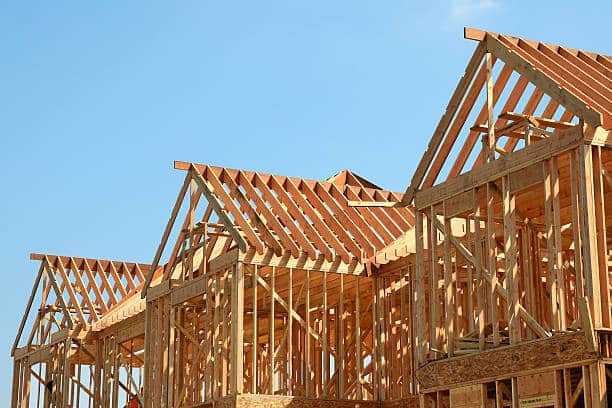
280,331
512,253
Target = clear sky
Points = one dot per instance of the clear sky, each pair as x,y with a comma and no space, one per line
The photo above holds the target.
98,98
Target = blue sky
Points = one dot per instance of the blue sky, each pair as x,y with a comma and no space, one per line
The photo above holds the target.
98,99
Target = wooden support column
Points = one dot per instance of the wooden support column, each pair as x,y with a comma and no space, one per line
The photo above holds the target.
358,360
435,329
254,366
15,388
116,377
308,347
492,264
600,228
597,373
216,350
511,265
586,379
558,258
99,362
528,275
383,343
325,361
340,362
172,351
209,350
515,393
449,289
551,244
237,340
271,329
576,221
420,299
226,333
588,233
404,331
489,148
480,278
290,336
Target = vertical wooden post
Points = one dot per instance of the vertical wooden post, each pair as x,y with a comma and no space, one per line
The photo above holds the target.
515,393
358,361
116,376
558,259
586,378
528,276
226,333
499,396
99,362
216,350
307,355
271,341
480,279
567,386
588,230
15,388
449,304
341,361
558,388
255,336
383,343
576,222
465,296
209,351
375,341
171,346
404,349
290,336
600,232
492,263
598,385
489,149
551,243
325,363
237,329
419,292
434,308
511,265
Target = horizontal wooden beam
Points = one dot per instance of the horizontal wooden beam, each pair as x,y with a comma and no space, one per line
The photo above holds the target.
65,259
514,161
355,267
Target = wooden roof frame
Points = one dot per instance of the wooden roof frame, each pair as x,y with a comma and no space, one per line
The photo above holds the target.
84,270
282,214
577,80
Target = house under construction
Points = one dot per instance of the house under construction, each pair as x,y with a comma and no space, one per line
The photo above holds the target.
485,284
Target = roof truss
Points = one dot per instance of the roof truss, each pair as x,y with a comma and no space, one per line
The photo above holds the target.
536,76
284,215
83,290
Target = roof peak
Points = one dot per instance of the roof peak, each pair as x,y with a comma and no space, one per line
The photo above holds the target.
348,177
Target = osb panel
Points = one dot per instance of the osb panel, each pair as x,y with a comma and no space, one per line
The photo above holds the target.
536,384
276,401
410,402
466,397
506,361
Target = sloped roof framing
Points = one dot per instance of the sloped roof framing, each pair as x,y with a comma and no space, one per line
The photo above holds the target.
578,81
